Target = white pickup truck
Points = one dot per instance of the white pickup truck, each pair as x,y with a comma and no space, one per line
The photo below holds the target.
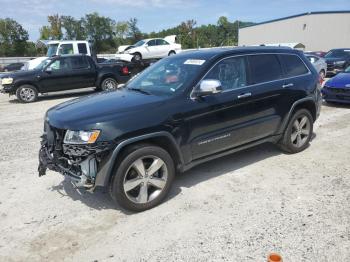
57,47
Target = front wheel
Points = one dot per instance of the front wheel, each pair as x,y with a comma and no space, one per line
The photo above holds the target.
299,131
171,53
143,178
109,84
27,94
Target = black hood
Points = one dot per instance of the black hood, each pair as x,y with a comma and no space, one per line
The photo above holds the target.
20,74
110,111
333,59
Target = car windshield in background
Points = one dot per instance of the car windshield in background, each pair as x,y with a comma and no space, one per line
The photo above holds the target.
337,54
42,65
167,76
52,50
139,43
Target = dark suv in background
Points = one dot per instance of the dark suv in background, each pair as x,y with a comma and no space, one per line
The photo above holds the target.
182,111
337,60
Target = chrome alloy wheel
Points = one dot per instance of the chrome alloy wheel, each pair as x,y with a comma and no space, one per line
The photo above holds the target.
27,94
300,131
145,179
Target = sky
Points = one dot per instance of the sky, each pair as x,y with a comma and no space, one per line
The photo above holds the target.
155,15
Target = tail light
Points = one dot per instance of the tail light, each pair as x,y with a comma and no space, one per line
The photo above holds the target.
125,70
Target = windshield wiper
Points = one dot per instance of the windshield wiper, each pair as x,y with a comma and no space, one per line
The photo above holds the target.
139,90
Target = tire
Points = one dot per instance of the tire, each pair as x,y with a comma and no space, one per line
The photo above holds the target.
298,133
171,53
137,57
27,94
322,74
108,83
134,188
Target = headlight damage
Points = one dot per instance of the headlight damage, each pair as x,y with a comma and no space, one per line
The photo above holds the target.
7,81
72,153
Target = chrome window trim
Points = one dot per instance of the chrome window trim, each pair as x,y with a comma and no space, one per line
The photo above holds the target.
252,85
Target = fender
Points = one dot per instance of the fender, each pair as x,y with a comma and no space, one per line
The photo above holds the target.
105,173
289,115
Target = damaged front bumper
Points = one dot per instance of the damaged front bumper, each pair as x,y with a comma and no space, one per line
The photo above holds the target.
81,163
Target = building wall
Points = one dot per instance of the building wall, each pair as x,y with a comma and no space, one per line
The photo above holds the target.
316,31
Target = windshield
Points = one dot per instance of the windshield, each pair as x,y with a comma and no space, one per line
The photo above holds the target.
139,43
337,54
168,76
52,50
42,65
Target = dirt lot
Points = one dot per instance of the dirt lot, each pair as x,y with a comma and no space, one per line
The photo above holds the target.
238,208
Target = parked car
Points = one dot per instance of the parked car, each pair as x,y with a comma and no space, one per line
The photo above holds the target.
182,111
337,60
13,67
319,63
337,89
65,73
152,48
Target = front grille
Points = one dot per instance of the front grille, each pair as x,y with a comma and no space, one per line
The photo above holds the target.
86,150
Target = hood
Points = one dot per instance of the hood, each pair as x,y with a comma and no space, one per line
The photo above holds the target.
340,80
94,110
21,74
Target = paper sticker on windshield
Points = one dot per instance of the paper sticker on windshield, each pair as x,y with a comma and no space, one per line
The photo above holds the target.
194,62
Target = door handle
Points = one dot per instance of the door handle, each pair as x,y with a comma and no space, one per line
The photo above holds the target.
287,85
244,95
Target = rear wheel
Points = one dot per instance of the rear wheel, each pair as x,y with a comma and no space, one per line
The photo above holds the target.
143,177
109,84
298,134
27,94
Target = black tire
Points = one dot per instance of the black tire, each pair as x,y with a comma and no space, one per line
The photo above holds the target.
27,94
171,53
322,74
137,57
124,168
290,144
108,83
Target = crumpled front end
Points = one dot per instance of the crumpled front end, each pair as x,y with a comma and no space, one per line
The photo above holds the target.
80,162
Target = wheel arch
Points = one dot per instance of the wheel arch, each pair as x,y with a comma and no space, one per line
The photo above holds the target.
22,83
307,103
162,139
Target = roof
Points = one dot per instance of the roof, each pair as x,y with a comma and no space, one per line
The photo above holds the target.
294,16
215,52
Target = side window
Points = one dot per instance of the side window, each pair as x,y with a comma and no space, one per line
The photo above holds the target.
293,65
60,64
151,43
231,72
264,68
79,62
66,49
82,48
161,42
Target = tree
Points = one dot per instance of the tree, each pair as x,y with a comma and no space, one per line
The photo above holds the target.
54,30
74,29
13,38
134,31
100,30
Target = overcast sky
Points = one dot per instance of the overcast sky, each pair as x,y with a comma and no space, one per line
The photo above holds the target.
155,15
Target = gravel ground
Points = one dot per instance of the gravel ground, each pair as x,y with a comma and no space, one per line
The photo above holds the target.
238,208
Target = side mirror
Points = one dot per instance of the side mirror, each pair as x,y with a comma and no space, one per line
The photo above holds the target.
48,70
208,87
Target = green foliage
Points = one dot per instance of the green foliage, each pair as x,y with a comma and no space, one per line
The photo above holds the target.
13,38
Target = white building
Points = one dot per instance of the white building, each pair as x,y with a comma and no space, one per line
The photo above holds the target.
317,31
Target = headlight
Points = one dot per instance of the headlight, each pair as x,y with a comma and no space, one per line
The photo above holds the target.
81,137
339,62
7,81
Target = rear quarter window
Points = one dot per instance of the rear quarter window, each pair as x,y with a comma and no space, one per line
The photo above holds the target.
264,68
293,65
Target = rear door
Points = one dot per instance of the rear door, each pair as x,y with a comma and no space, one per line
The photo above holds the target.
83,72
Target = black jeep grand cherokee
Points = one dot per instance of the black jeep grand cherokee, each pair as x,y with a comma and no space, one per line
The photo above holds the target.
183,110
